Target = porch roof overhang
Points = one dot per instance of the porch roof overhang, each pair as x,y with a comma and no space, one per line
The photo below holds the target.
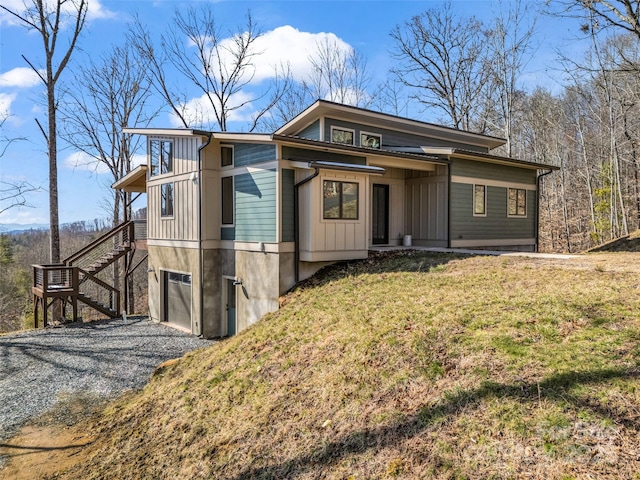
449,153
134,181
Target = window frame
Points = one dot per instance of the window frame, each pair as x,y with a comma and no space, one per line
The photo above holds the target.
159,168
165,205
223,202
517,204
341,203
484,200
369,134
346,130
233,156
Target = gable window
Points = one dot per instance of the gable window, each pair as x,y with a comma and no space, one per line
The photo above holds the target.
370,140
479,200
161,153
340,200
517,202
342,135
166,199
227,200
226,155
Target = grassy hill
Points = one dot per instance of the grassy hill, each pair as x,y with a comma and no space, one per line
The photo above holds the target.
405,365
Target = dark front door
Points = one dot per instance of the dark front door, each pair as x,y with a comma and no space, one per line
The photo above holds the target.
380,214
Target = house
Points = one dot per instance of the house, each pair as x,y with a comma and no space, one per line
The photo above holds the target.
236,219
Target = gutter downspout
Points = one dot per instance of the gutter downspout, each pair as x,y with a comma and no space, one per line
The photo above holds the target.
538,207
200,256
296,221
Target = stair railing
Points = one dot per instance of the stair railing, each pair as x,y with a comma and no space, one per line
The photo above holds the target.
99,292
119,237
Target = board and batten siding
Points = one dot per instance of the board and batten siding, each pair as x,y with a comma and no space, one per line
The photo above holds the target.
496,224
287,207
183,224
255,206
426,214
395,138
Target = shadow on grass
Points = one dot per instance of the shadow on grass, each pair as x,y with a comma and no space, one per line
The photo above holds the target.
555,388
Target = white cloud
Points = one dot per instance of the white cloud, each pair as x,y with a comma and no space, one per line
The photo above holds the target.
82,161
137,160
96,10
21,77
199,111
6,99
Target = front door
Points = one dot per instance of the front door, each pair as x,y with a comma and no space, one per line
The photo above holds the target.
231,307
380,214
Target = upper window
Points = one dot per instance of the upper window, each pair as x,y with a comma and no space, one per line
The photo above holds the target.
161,153
517,202
226,155
166,200
370,140
479,200
340,200
227,200
342,135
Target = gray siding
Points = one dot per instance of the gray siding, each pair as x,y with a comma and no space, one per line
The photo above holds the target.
255,212
291,153
251,153
505,173
465,226
312,132
394,138
288,180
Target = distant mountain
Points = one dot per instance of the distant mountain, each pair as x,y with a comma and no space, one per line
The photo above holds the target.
20,227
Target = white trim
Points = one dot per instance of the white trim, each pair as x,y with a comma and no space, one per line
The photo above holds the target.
497,242
169,178
170,132
284,247
492,183
353,144
160,242
371,134
243,137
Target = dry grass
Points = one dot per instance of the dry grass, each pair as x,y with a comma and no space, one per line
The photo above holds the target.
403,366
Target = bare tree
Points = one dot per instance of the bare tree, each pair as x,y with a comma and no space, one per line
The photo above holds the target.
440,57
219,67
109,96
50,19
623,14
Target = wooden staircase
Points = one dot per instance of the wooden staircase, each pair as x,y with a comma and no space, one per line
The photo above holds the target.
75,279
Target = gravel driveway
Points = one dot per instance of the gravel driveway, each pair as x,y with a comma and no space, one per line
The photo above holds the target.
102,358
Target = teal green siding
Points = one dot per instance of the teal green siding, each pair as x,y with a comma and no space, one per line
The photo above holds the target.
300,154
496,224
312,132
255,212
504,173
250,153
288,181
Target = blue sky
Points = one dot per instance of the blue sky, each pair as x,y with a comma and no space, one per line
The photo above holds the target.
360,24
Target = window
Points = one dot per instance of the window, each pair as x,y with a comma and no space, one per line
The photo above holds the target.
340,200
226,155
340,135
370,140
517,202
479,200
227,200
161,153
166,200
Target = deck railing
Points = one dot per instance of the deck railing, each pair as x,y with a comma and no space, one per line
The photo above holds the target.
118,238
54,278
